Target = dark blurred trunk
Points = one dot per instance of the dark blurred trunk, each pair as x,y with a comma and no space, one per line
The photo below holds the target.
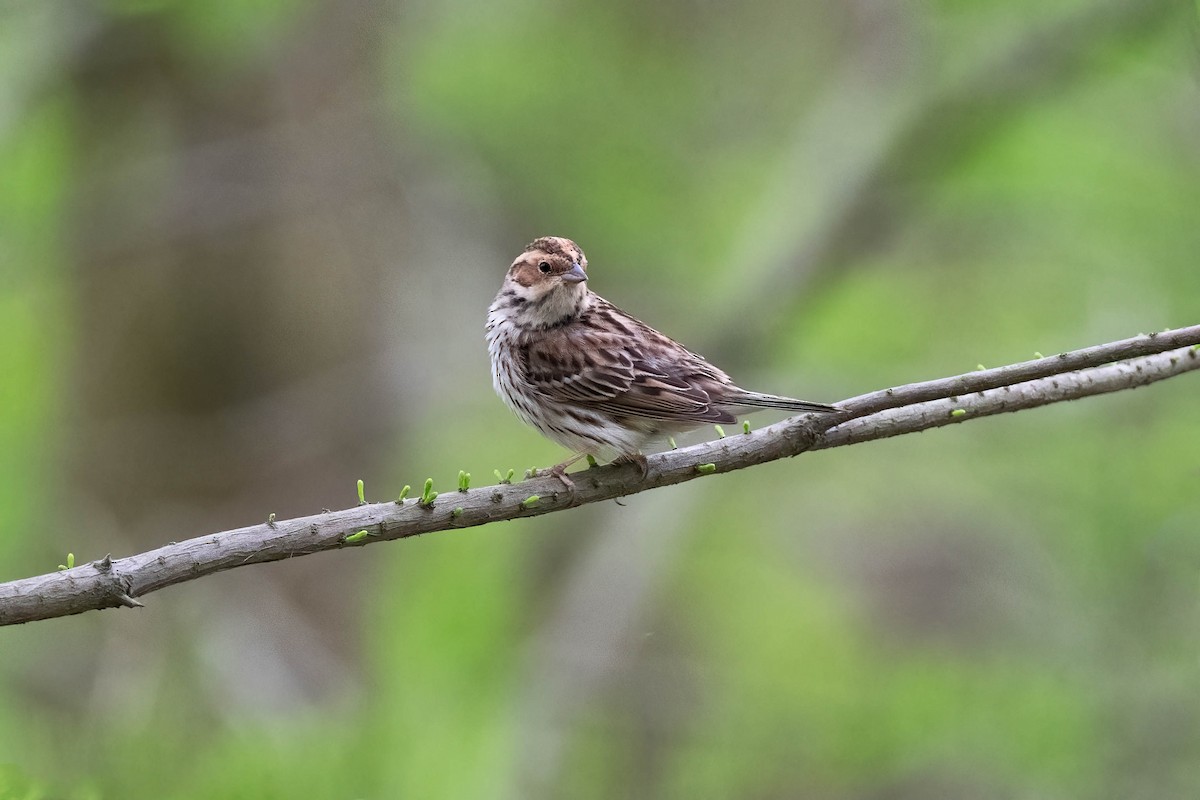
231,232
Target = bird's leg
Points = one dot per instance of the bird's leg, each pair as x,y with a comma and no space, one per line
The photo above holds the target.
560,471
638,460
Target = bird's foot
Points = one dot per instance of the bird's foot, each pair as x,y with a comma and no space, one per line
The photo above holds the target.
560,471
638,460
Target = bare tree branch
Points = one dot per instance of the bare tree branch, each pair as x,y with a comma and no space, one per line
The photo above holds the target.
1112,367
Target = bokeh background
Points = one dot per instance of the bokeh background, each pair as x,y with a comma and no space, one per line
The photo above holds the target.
245,253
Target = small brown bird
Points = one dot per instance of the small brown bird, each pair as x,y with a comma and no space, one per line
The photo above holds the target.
593,378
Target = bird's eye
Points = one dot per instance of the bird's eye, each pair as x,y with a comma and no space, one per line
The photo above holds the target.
544,267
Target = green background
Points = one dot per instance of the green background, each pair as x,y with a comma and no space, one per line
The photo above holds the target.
245,255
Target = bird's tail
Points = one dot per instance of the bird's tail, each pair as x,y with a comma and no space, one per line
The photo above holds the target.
753,400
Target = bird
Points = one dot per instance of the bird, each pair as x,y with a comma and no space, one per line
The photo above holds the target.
593,378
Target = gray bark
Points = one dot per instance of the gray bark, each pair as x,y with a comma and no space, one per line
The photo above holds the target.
1112,367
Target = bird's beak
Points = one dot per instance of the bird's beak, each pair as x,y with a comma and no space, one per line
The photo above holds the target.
576,275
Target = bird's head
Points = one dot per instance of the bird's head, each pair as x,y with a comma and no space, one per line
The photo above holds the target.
548,281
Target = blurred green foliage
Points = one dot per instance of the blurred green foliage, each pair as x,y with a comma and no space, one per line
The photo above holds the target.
1002,609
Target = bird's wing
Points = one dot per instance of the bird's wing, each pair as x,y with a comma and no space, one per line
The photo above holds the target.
612,363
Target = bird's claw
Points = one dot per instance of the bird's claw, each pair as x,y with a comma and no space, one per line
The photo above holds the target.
560,472
638,460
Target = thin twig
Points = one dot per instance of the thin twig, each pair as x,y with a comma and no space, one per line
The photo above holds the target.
109,583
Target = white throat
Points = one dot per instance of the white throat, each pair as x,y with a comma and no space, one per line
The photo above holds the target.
528,309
